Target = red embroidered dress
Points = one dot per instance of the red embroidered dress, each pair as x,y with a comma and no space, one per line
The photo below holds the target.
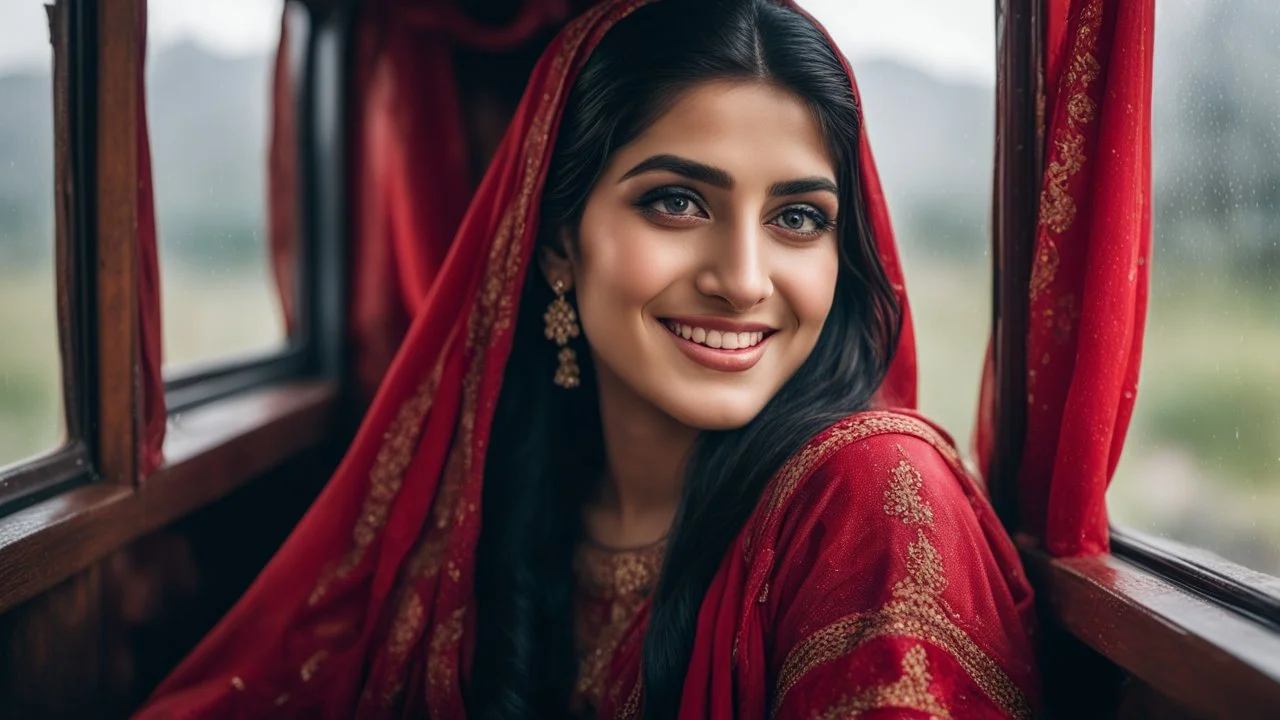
872,579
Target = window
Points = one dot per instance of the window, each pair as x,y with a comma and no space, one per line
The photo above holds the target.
209,70
31,397
926,72
1202,461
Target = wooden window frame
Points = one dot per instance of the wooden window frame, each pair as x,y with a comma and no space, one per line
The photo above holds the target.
67,465
1194,631
87,500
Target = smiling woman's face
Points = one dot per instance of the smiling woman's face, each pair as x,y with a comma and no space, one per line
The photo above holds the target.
706,259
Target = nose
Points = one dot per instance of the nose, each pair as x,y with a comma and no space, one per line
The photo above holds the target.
735,271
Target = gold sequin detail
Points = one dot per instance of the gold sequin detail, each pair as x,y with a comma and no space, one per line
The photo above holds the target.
631,708
916,610
614,573
312,665
910,691
1045,267
444,645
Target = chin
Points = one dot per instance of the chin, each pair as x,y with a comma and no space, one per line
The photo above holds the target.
729,412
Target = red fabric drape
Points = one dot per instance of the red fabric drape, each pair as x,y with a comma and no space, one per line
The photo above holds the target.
1088,291
152,415
411,169
282,180
368,607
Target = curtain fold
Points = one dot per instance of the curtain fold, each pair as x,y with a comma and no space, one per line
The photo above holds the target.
1089,279
411,166
152,413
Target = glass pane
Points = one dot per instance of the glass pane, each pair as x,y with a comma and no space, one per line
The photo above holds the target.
926,71
209,69
31,419
1202,463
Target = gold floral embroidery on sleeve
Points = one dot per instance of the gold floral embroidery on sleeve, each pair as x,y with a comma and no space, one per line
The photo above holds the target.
915,610
909,691
902,499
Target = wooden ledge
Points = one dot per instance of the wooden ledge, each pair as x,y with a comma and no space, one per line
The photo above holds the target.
209,452
1209,658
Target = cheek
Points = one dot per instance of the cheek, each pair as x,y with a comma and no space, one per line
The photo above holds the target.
808,281
622,266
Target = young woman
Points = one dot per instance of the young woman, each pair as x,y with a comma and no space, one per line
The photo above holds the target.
627,462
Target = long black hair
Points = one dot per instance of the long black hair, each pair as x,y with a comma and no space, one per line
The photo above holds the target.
546,448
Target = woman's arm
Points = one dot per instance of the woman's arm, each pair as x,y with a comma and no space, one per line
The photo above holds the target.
895,594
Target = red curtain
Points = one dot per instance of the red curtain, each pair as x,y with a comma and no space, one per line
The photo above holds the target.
411,169
1088,290
152,414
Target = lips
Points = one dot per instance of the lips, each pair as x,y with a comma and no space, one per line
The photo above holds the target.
719,344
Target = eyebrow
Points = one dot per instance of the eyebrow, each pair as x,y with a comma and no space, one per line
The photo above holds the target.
684,167
716,177
802,186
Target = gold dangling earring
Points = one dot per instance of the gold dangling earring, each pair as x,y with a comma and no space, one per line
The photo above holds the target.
562,324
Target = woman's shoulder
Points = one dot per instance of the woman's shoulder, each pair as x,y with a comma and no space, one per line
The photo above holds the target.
860,458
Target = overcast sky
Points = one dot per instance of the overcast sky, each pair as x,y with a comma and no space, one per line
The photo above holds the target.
952,38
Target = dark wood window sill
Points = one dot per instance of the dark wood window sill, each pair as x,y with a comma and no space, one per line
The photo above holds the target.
209,452
1201,654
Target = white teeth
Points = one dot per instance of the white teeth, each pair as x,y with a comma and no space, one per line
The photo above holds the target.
716,338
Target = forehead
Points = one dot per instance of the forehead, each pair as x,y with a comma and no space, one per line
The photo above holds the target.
752,130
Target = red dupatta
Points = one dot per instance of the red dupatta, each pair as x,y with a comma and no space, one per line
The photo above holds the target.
367,609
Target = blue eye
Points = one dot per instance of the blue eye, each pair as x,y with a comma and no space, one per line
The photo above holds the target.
672,202
802,220
675,204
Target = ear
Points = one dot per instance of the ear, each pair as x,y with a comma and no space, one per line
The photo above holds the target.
556,262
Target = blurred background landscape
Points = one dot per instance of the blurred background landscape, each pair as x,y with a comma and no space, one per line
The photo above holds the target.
1202,462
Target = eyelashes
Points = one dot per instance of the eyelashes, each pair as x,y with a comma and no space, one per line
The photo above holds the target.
681,206
672,201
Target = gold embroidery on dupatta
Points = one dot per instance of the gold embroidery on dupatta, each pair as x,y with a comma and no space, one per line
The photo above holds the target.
916,610
1057,207
909,691
409,617
385,480
444,643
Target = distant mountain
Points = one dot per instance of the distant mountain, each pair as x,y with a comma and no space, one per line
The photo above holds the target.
208,117
933,140
1216,163
26,167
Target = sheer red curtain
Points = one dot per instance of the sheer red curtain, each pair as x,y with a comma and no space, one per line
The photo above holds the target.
1088,289
153,414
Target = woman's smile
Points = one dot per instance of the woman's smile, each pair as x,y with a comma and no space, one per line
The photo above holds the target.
719,343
